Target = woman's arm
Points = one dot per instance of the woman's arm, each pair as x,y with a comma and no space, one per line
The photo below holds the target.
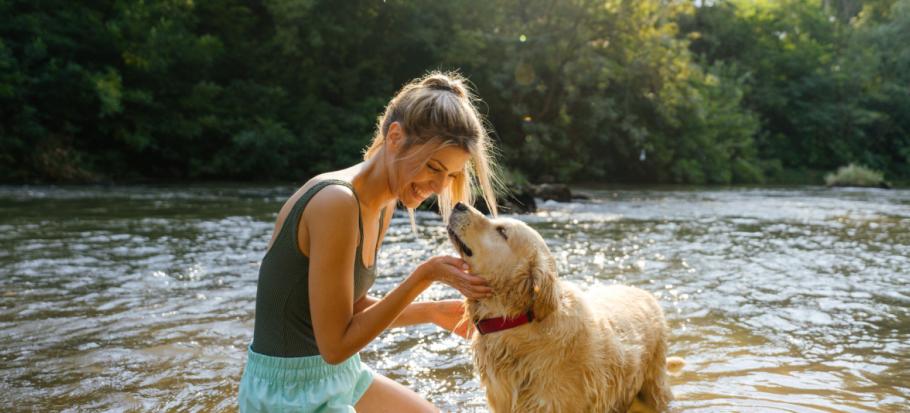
331,220
414,313
447,314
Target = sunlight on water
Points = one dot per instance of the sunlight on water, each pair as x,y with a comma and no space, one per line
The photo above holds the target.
141,298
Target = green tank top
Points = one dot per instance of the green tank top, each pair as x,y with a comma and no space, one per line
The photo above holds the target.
283,326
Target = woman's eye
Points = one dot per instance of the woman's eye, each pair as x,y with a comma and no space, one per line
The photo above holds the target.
502,231
433,169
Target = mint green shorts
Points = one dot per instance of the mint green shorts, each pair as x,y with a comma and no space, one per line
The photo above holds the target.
302,384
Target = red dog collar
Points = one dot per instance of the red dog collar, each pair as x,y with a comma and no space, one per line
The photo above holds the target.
492,325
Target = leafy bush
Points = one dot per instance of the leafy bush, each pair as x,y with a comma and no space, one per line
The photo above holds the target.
855,175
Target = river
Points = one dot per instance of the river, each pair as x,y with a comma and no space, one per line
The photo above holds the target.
141,298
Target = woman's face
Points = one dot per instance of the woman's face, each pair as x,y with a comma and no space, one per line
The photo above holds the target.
434,175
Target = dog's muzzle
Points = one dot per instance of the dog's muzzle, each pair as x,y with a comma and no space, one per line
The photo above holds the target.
459,244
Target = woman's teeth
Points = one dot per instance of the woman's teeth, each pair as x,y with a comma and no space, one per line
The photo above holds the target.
417,193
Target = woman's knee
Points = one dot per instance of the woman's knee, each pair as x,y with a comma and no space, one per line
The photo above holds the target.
386,395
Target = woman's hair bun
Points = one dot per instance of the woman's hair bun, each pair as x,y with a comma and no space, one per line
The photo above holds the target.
440,81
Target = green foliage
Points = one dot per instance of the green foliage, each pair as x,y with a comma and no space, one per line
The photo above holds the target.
597,90
854,175
607,90
822,78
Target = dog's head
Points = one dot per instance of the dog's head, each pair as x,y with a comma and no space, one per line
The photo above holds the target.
510,255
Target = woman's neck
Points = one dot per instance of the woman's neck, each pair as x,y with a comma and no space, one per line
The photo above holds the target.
371,182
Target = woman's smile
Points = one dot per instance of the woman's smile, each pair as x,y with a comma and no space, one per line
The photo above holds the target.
436,174
417,194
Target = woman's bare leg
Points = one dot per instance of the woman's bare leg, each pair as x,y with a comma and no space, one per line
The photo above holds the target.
385,395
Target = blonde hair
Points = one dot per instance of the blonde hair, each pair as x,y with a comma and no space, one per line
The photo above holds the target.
436,111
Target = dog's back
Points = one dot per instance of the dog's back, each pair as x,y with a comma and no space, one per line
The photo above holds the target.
598,352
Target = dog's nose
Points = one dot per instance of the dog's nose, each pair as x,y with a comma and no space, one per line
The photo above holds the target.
460,207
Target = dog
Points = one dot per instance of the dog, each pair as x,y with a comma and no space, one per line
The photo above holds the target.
543,345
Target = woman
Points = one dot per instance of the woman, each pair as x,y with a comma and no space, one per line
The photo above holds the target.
312,315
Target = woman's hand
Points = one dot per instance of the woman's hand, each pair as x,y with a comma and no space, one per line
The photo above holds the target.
449,314
452,271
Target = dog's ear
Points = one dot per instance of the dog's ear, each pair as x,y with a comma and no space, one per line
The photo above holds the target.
542,282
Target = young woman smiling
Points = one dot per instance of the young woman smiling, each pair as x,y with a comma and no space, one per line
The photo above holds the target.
313,314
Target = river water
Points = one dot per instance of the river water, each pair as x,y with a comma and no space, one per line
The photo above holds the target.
142,298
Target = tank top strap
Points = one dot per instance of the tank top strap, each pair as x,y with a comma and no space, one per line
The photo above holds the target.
294,216
379,234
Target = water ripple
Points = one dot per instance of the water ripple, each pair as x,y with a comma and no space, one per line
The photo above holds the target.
141,298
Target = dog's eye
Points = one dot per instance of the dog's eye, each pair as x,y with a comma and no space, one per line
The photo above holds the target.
502,231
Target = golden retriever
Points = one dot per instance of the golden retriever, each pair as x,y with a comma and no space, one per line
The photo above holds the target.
566,351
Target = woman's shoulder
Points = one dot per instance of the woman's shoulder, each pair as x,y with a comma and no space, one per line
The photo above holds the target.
332,178
332,213
333,190
333,201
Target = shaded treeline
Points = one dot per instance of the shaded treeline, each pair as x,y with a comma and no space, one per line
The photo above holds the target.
640,91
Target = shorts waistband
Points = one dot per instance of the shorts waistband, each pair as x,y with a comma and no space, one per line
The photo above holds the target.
297,368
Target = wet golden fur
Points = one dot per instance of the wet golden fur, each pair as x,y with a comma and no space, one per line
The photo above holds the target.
584,352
